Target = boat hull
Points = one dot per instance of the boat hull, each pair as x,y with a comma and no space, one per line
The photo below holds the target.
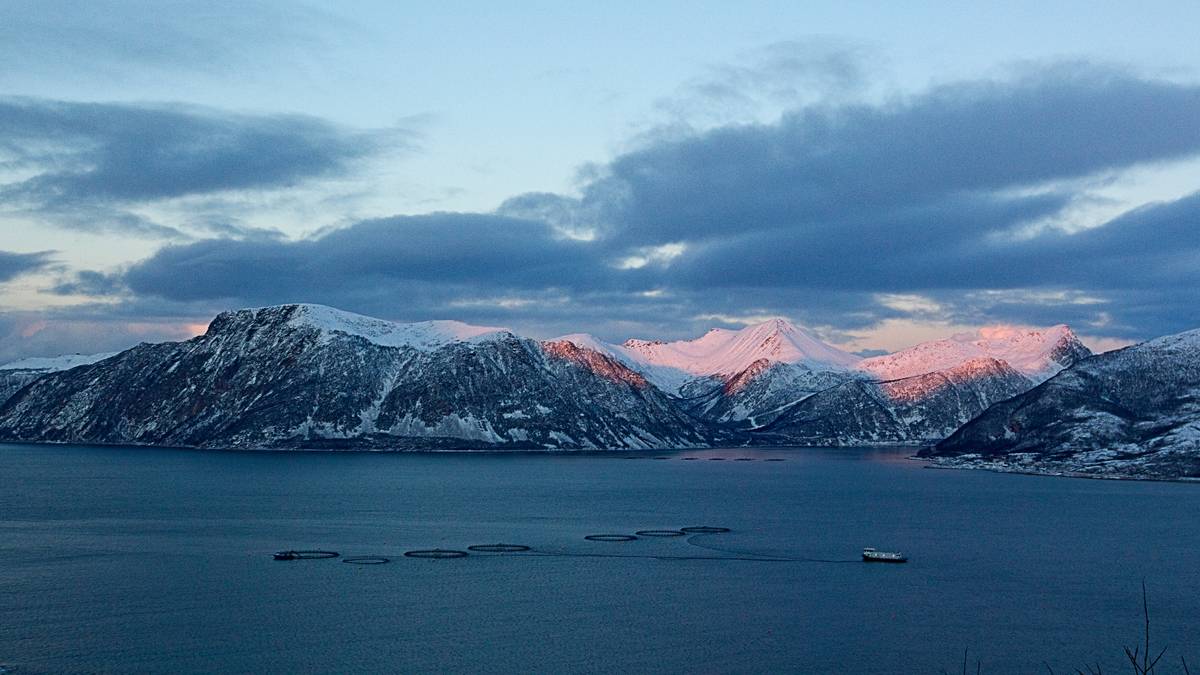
884,558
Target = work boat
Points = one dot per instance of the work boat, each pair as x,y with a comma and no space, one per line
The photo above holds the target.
871,555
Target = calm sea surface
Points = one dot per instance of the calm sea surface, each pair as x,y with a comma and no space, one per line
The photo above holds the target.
121,560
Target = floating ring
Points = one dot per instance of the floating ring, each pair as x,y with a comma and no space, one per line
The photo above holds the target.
775,459
716,459
438,553
660,533
744,459
704,529
610,537
498,548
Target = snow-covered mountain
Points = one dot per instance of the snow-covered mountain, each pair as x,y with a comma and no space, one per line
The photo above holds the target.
54,363
1130,412
734,375
311,376
923,393
726,353
912,410
1036,354
17,374
757,376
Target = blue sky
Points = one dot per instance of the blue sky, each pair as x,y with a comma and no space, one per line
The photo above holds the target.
882,173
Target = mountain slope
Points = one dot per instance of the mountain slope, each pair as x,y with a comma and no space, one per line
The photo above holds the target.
911,410
17,374
757,394
1134,411
310,376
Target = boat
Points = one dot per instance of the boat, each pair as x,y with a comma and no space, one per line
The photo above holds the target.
872,555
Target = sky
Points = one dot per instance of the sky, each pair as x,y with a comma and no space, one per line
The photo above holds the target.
882,174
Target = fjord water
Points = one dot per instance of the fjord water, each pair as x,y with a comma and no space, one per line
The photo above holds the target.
133,559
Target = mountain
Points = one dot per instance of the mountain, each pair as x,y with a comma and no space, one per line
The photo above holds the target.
786,386
17,374
735,375
726,353
1036,354
1130,412
911,410
312,376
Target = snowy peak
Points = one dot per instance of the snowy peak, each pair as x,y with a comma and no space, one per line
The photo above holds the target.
726,353
1035,353
423,335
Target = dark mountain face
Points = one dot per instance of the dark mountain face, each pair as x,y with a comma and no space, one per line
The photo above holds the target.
912,410
1068,351
11,381
1135,411
266,378
757,395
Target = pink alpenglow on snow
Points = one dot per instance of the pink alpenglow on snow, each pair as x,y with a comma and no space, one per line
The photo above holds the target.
1035,353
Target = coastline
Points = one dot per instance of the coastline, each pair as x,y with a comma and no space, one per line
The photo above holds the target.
1000,467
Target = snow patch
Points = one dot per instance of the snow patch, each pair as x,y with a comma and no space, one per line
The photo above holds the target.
424,335
56,363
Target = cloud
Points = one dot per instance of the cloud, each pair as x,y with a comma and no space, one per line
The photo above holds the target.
933,210
13,265
84,164
387,256
931,160
104,37
788,73
51,333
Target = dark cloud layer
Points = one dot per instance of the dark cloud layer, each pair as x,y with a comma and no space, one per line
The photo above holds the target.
487,252
108,151
13,265
859,170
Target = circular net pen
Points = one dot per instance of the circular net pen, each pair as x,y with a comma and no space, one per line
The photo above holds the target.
367,560
499,548
610,537
660,533
436,554
704,529
304,555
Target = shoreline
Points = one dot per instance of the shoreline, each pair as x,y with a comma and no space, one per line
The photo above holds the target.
1049,473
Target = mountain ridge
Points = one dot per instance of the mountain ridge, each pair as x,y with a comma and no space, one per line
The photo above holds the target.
1130,412
305,375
